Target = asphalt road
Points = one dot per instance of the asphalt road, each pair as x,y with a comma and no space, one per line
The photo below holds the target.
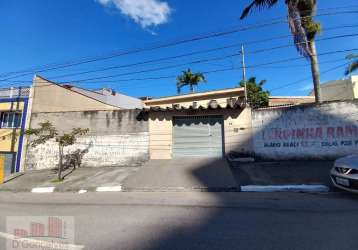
111,221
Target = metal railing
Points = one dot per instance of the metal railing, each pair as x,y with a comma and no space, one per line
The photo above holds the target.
14,92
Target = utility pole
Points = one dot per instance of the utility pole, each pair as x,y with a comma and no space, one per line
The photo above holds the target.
244,72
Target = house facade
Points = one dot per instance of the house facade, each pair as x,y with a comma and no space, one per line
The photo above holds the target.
207,124
13,116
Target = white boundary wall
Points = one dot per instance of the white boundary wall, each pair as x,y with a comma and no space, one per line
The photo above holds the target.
329,130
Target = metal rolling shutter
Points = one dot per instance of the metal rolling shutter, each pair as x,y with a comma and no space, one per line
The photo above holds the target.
198,136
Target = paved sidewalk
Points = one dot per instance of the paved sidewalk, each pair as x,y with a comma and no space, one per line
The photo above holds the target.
183,174
80,179
283,173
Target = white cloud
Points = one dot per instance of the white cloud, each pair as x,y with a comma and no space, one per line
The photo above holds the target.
146,13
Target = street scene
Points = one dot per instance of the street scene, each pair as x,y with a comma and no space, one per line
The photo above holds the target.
164,124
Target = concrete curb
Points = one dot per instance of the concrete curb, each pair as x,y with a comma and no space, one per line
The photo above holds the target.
248,188
109,189
183,189
285,188
125,189
41,190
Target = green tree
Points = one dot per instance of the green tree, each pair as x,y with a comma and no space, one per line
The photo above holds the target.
353,65
303,29
47,131
189,78
256,96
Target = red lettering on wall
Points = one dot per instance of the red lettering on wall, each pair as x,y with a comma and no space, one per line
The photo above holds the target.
350,131
340,132
278,133
300,133
319,133
330,133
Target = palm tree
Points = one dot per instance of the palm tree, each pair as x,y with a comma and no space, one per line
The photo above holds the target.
353,66
303,29
189,78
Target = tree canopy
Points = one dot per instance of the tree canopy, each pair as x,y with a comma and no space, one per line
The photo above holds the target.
256,96
353,65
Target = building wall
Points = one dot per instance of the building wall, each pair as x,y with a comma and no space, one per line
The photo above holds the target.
237,130
115,138
160,131
321,131
354,80
50,97
290,100
340,89
186,102
11,139
6,134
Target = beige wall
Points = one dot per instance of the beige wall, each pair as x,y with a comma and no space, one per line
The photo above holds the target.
289,100
50,97
160,135
237,130
202,99
6,137
354,80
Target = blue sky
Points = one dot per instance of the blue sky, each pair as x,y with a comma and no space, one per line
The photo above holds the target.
40,32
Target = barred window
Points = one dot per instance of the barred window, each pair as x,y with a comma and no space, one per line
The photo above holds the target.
10,119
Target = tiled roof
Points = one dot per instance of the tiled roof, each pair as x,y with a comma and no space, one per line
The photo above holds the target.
211,106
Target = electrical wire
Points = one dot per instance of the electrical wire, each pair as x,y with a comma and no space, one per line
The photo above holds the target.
170,44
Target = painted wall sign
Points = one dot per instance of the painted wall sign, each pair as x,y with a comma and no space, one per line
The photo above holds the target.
325,131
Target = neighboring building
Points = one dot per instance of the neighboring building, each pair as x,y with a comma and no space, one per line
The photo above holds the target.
117,135
208,124
49,96
110,97
289,100
339,90
13,114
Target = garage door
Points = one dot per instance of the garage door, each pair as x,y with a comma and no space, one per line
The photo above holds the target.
198,136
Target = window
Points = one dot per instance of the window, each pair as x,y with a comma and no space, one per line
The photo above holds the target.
10,120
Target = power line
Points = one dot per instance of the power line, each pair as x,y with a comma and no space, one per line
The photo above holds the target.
205,60
233,45
308,78
247,43
150,48
197,52
170,44
210,72
199,61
